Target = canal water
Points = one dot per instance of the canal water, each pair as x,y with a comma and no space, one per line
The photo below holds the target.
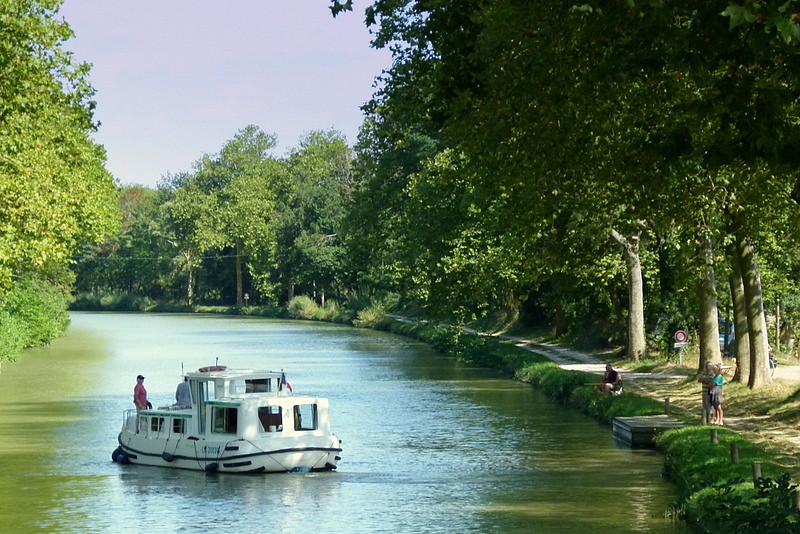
429,445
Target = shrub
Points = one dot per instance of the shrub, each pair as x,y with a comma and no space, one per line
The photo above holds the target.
13,334
109,301
41,306
302,307
374,316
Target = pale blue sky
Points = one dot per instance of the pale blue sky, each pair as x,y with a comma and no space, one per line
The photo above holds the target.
176,79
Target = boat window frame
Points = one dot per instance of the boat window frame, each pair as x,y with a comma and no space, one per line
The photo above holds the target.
265,418
157,421
228,422
178,426
299,414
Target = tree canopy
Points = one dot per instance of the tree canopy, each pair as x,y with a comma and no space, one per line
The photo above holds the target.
613,170
55,193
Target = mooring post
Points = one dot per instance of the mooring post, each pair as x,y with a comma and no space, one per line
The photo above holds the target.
714,439
666,405
756,472
734,453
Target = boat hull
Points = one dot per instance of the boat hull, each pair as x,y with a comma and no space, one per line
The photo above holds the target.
316,453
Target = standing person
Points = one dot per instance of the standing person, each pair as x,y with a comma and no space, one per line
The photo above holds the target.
612,381
707,380
140,398
182,395
715,394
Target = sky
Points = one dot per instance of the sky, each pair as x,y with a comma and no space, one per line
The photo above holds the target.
177,79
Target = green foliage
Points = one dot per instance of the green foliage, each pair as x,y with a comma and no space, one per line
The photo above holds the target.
695,463
33,313
579,390
112,301
310,252
373,316
55,193
720,496
13,336
734,506
302,307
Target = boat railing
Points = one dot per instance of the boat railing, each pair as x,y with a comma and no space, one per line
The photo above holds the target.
129,420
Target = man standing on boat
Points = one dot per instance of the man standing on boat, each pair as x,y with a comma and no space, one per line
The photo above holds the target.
140,398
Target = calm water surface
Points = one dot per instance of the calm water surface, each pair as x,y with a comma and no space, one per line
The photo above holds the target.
429,445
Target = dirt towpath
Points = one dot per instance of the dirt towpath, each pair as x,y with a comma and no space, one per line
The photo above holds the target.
773,435
777,437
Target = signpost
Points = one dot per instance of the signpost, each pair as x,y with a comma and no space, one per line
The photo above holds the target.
681,340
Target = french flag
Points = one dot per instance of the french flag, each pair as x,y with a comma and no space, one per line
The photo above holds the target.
285,383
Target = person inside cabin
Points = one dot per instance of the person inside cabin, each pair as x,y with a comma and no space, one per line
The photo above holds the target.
612,381
140,398
182,395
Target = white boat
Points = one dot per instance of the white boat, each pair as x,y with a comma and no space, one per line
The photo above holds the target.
239,421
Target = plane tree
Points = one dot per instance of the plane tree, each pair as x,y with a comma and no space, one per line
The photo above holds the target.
240,185
310,251
55,193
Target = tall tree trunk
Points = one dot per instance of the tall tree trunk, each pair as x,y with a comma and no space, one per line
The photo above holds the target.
239,281
630,251
709,314
740,323
754,303
190,278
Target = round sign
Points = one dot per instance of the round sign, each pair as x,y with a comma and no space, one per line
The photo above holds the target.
680,336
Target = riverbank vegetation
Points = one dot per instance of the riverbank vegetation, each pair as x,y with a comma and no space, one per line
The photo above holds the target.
716,493
55,192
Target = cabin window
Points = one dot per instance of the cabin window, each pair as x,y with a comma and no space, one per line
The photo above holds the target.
207,391
237,387
271,418
305,417
156,424
178,426
258,385
224,420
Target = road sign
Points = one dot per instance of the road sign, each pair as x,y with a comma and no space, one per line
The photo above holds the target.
680,336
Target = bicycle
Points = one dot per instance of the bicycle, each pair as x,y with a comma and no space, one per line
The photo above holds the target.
773,364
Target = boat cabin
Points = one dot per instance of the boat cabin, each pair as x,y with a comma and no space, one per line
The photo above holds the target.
237,403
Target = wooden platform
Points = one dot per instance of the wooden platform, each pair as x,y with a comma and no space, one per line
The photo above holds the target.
638,432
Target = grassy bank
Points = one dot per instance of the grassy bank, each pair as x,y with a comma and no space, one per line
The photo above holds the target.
715,494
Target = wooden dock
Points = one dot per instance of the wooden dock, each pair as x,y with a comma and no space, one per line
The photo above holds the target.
638,432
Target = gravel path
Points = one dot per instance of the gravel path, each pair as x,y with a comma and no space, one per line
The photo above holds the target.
778,438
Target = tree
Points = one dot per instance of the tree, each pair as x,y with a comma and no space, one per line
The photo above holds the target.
54,190
131,261
310,250
185,220
55,194
241,184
